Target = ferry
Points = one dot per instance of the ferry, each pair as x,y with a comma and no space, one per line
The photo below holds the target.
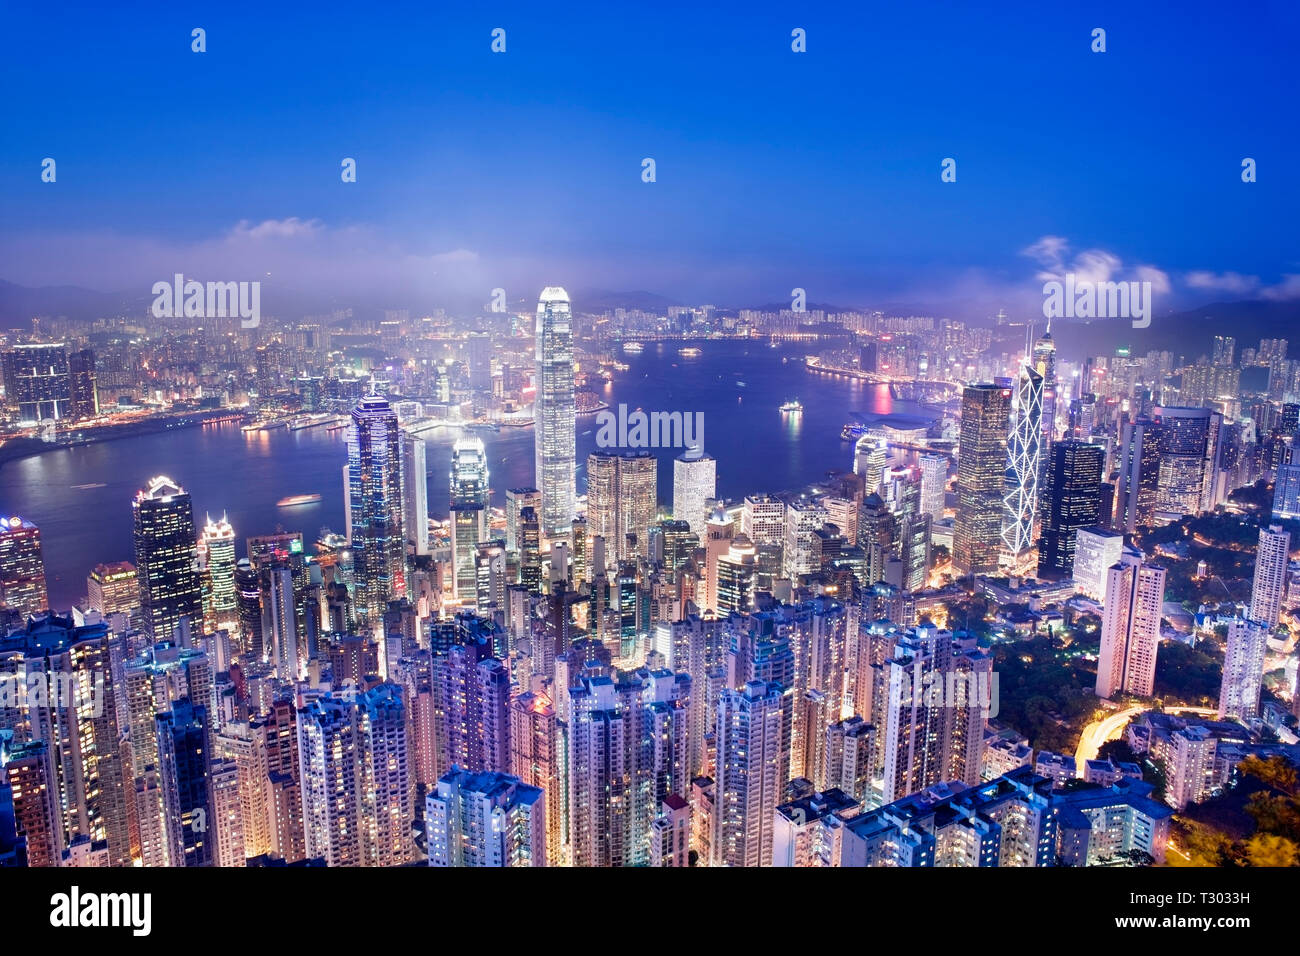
690,352
633,347
740,384
792,406
293,501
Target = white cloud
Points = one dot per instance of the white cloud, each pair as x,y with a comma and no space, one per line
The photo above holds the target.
1233,282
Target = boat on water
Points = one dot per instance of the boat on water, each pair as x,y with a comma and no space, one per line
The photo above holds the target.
690,352
740,384
633,347
792,406
293,501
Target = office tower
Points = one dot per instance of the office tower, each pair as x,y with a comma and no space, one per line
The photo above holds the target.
248,605
1024,466
870,455
184,763
695,484
555,453
675,544
22,568
1243,670
934,481
83,397
28,769
936,703
486,819
718,535
1010,821
355,778
517,499
164,558
876,531
581,569
762,520
737,569
472,690
530,550
375,498
280,624
490,575
36,381
1072,501
629,747
981,478
802,521
1139,474
415,491
536,758
113,588
470,498
1188,450
216,553
1286,491
1130,627
1095,551
622,501
1269,589
1044,364
753,767
913,553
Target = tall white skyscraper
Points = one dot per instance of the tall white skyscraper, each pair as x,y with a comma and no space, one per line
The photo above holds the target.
555,447
415,488
216,548
1130,627
1243,670
1270,575
469,511
695,481
934,479
870,455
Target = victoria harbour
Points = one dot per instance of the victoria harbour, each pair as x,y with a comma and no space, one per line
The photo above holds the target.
81,497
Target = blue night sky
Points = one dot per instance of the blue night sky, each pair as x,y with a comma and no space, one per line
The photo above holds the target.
775,169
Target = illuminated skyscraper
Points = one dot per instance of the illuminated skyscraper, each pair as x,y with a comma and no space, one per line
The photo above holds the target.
694,484
753,766
82,393
113,588
555,451
870,455
536,758
375,505
1243,670
36,381
981,478
1095,551
1130,627
165,556
1024,466
1139,464
1072,500
185,766
1269,588
469,511
622,500
415,489
486,819
1044,362
216,549
736,571
22,568
934,481
517,499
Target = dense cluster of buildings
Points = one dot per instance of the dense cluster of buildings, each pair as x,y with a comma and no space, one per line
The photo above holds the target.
610,682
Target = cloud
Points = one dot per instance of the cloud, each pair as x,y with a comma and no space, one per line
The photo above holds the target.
291,228
1285,291
1233,282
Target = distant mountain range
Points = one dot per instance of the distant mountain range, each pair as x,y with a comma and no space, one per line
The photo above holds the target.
1189,334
